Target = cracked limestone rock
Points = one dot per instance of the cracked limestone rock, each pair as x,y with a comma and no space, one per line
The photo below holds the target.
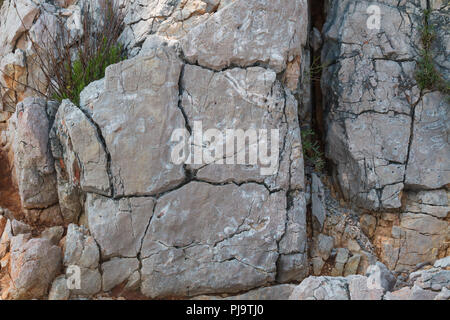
136,114
34,165
118,226
382,135
81,161
164,216
81,259
205,239
34,264
417,235
243,33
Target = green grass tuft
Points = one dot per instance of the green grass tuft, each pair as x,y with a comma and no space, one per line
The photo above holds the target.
427,76
311,150
83,72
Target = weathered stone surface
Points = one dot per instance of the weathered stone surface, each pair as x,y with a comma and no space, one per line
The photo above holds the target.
117,271
360,289
340,261
13,79
90,283
414,293
416,236
318,206
442,263
18,227
324,246
321,288
83,159
431,279
118,226
370,95
425,284
225,234
144,94
11,26
81,259
59,290
432,202
33,162
443,295
216,98
380,278
351,267
5,239
34,264
368,224
53,234
428,166
80,248
424,235
279,292
267,32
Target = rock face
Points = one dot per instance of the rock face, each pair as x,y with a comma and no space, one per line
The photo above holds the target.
196,232
181,173
166,226
383,134
353,287
144,91
195,225
420,234
428,166
35,171
118,225
261,34
426,284
81,259
34,264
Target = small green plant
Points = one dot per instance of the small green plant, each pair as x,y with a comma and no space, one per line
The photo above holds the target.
67,63
427,76
311,150
315,70
82,72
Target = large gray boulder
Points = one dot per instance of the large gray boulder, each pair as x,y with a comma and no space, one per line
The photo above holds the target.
33,162
205,239
139,95
34,264
162,211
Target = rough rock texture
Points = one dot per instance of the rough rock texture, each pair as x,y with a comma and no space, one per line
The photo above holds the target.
249,42
81,254
35,171
118,226
197,233
278,292
179,220
353,287
81,161
383,134
34,263
417,235
144,91
426,284
136,215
